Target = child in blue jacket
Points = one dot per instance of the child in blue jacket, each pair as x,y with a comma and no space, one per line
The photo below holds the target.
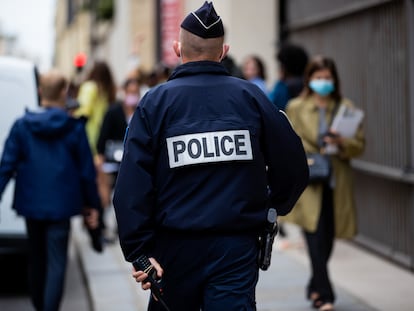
48,154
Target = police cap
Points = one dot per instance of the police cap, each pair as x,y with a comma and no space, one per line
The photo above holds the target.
204,22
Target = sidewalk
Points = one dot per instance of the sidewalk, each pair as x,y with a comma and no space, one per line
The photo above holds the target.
363,282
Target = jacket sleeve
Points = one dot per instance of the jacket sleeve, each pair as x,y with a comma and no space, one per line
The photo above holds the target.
288,171
134,196
10,158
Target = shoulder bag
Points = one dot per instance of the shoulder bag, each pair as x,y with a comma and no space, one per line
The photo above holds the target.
320,164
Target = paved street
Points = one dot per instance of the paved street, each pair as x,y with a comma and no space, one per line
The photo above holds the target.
283,286
75,296
362,281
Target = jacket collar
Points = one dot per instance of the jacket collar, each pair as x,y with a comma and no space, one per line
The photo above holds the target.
200,67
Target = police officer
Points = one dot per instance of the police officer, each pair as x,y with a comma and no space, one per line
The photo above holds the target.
206,155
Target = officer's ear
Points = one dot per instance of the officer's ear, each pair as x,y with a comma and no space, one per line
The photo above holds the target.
226,49
177,48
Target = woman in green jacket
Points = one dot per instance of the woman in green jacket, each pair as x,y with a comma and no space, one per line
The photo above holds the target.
325,210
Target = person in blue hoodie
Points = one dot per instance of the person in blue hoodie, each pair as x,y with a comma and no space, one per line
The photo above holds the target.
292,61
48,154
206,156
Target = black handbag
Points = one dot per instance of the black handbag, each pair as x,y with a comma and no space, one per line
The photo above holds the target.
320,164
319,168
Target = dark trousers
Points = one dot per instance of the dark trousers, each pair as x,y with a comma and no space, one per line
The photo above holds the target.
320,245
48,247
208,273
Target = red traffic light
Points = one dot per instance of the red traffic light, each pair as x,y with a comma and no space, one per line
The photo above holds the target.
80,60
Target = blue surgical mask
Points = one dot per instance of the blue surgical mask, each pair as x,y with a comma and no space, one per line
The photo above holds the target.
322,87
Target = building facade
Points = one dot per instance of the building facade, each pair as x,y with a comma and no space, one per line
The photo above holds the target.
372,42
141,32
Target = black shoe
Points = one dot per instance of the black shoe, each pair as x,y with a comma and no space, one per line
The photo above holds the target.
96,239
322,304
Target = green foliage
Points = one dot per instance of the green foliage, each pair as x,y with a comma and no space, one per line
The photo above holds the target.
105,9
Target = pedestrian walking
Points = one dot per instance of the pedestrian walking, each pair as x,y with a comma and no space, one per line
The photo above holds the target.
111,137
292,61
47,153
111,140
206,156
326,209
96,94
254,71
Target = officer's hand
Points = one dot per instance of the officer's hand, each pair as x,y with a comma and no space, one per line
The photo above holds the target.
140,276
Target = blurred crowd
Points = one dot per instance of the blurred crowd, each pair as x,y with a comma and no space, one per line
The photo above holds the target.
106,109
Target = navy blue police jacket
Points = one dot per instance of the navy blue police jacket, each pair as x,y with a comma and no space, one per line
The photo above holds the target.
205,153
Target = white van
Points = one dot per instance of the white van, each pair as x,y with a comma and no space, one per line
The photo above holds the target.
18,91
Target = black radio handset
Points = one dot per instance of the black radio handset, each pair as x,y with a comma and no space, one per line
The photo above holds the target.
142,263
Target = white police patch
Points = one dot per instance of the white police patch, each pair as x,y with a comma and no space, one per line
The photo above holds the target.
209,147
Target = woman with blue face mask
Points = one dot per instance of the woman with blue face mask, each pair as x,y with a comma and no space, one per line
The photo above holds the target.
326,209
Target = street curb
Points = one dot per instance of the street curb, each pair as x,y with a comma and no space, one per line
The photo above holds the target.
78,258
107,277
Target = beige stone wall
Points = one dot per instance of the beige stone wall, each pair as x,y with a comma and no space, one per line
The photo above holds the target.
70,39
250,27
144,30
131,38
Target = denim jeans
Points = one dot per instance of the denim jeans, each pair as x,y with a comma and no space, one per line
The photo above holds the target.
48,247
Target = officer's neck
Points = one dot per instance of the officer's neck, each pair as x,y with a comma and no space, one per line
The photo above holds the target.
199,59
